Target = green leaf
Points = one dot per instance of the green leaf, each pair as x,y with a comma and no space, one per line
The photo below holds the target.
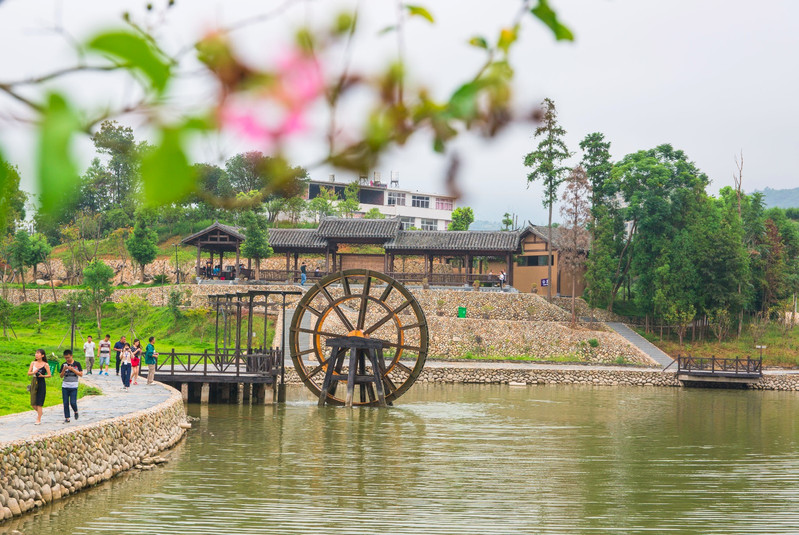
419,11
387,29
57,173
463,103
479,42
137,52
165,171
547,15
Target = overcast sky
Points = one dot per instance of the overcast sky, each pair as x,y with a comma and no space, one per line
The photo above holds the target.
710,77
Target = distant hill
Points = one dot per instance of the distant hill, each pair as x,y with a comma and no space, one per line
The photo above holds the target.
781,198
481,224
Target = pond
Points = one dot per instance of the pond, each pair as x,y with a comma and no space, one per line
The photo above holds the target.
465,459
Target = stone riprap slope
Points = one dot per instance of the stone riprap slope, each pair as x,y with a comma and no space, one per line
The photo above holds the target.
489,305
453,338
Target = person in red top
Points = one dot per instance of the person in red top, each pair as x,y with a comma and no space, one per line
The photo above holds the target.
135,360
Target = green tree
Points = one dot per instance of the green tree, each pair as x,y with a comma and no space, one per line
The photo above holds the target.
133,308
19,254
12,199
5,316
38,252
507,221
294,208
349,204
597,165
117,142
256,244
601,263
97,277
322,205
252,171
547,167
462,217
374,213
143,241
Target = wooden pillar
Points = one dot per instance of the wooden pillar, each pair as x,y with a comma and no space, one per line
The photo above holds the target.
240,396
469,260
238,271
429,267
288,263
391,263
184,392
509,270
249,324
293,275
221,261
333,259
327,260
385,262
205,393
198,258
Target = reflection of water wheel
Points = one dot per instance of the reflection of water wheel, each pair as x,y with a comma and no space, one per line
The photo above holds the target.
359,302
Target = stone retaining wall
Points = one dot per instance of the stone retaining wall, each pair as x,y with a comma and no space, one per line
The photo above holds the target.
52,466
612,376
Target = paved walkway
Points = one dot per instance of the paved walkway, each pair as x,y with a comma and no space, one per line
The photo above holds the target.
114,402
641,343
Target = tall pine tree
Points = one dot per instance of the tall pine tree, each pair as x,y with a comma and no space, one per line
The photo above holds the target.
546,164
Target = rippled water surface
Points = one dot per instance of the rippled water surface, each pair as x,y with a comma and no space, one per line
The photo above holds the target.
466,459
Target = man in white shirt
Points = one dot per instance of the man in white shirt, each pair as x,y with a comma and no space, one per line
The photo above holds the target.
88,353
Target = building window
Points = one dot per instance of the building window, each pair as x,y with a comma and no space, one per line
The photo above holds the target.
429,224
535,260
396,199
443,204
420,201
407,222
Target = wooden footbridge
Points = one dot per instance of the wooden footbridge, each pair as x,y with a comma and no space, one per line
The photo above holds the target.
236,370
740,371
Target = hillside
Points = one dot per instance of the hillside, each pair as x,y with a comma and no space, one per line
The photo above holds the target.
781,198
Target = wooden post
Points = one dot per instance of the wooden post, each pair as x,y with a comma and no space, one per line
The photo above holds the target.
238,271
199,251
241,393
205,393
327,260
288,263
294,274
333,258
509,270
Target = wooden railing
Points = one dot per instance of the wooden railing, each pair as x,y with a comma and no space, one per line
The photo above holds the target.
717,366
225,362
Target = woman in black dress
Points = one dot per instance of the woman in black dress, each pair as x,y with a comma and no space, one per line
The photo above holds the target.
39,370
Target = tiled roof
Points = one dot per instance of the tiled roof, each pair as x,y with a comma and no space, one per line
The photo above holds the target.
233,231
308,239
337,228
467,240
543,233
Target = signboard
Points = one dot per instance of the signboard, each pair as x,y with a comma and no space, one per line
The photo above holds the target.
544,283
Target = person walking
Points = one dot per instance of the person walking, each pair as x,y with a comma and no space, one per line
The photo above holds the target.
303,274
151,359
88,354
70,372
39,370
105,354
501,279
135,360
125,365
119,347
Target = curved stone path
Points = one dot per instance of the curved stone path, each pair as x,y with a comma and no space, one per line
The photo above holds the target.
113,403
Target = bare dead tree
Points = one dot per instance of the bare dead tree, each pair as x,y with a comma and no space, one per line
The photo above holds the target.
738,179
574,236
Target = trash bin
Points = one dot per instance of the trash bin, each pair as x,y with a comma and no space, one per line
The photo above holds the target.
461,312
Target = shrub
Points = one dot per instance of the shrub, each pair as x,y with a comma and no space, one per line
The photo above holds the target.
593,342
161,278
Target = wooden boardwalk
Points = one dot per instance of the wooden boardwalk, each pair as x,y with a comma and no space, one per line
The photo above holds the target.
717,370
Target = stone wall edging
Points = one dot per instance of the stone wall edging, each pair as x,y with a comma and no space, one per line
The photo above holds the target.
555,376
48,467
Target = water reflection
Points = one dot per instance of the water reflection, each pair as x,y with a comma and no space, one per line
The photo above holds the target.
466,459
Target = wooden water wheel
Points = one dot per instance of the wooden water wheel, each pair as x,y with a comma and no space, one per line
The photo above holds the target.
359,302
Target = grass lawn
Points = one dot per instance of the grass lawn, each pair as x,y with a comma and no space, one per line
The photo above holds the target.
16,354
782,348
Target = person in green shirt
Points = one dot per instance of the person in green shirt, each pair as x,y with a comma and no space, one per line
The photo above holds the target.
150,358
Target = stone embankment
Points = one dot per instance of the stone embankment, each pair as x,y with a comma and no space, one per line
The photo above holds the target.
50,466
537,374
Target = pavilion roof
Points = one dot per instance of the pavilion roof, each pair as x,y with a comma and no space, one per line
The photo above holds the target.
217,236
336,228
466,240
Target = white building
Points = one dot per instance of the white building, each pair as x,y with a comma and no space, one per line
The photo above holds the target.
425,211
